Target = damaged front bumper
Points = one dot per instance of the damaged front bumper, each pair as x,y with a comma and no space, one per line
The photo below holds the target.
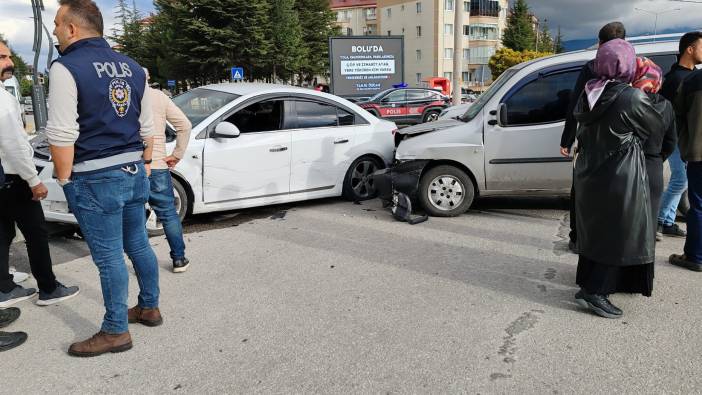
402,177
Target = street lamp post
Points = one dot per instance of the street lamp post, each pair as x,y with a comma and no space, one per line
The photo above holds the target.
655,24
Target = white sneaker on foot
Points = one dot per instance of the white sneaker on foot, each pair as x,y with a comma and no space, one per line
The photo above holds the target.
18,277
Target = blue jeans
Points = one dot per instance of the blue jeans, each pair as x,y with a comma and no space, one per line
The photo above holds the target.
676,187
109,207
162,201
693,242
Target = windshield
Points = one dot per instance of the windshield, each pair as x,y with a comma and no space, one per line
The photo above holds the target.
200,103
379,95
478,105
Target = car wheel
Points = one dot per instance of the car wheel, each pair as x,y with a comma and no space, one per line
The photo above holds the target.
431,116
358,183
684,205
446,191
154,227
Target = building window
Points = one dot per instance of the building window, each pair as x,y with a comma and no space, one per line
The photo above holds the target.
419,7
466,53
349,31
466,30
419,54
481,55
371,30
448,5
465,76
389,33
448,75
370,13
448,28
419,31
466,6
343,16
480,31
448,53
419,77
485,8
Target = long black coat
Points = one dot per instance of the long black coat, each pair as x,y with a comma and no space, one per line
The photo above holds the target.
613,204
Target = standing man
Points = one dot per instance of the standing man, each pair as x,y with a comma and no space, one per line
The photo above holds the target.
690,55
689,109
608,32
19,198
100,132
162,200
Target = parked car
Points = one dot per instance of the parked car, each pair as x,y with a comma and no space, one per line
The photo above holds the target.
259,144
507,142
407,105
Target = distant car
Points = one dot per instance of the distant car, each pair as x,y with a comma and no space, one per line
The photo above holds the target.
454,111
407,105
259,144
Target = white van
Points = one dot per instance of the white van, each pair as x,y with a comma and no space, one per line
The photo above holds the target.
13,86
507,142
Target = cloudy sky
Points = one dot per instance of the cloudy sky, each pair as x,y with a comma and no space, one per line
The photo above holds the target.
578,19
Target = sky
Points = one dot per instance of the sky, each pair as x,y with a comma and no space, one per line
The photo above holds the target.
579,19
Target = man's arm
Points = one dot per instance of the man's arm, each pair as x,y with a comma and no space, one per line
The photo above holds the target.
62,125
571,125
183,127
146,120
13,142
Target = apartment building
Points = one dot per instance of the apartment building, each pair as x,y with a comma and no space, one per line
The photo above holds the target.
428,28
356,17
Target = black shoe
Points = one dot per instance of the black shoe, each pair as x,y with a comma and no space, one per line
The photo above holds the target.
673,231
8,316
682,261
598,304
17,294
180,265
573,247
10,340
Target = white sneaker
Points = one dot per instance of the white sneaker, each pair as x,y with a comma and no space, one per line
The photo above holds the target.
18,277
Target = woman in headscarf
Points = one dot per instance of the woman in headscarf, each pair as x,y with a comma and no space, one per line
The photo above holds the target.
613,205
661,143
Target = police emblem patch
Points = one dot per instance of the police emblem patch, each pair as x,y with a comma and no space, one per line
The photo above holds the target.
120,96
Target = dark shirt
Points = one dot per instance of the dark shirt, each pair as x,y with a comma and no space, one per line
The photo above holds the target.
661,143
571,125
671,82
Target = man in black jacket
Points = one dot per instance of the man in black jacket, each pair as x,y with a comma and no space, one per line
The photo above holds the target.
690,54
608,32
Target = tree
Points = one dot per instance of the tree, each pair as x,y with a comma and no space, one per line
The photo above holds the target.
519,34
318,24
545,40
558,42
286,36
505,58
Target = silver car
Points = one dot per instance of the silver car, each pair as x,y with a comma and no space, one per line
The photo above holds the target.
507,142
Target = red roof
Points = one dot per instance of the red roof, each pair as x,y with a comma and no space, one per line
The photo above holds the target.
351,3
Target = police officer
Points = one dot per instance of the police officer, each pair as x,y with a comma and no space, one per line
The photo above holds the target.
100,132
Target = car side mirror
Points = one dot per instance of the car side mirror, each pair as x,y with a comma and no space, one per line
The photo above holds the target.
226,130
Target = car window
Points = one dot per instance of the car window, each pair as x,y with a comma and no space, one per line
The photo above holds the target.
543,100
315,115
417,95
395,97
263,116
345,118
665,62
200,103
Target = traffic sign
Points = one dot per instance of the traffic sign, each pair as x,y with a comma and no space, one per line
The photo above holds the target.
237,73
171,83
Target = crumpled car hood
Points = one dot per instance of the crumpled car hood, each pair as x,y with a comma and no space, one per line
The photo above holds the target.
430,127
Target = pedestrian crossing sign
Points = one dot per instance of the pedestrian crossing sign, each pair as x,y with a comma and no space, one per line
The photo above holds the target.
237,73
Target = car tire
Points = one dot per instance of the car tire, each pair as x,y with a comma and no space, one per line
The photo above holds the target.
684,205
153,226
358,182
431,116
446,191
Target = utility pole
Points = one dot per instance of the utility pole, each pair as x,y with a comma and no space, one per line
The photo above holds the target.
38,94
457,51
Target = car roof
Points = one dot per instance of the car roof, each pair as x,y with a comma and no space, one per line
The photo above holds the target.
247,88
662,47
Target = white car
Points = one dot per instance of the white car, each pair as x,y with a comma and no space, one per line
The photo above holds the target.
454,111
259,144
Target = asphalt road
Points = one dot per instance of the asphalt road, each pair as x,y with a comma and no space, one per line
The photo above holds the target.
334,297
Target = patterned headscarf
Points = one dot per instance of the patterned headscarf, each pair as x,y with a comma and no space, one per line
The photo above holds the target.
615,61
649,76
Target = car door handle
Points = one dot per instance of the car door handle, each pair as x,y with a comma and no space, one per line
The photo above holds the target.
278,148
341,141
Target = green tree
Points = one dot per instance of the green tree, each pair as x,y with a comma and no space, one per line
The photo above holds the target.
286,36
545,40
505,58
318,24
558,42
519,34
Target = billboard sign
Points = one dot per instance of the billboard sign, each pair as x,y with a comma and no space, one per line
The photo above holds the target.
365,65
